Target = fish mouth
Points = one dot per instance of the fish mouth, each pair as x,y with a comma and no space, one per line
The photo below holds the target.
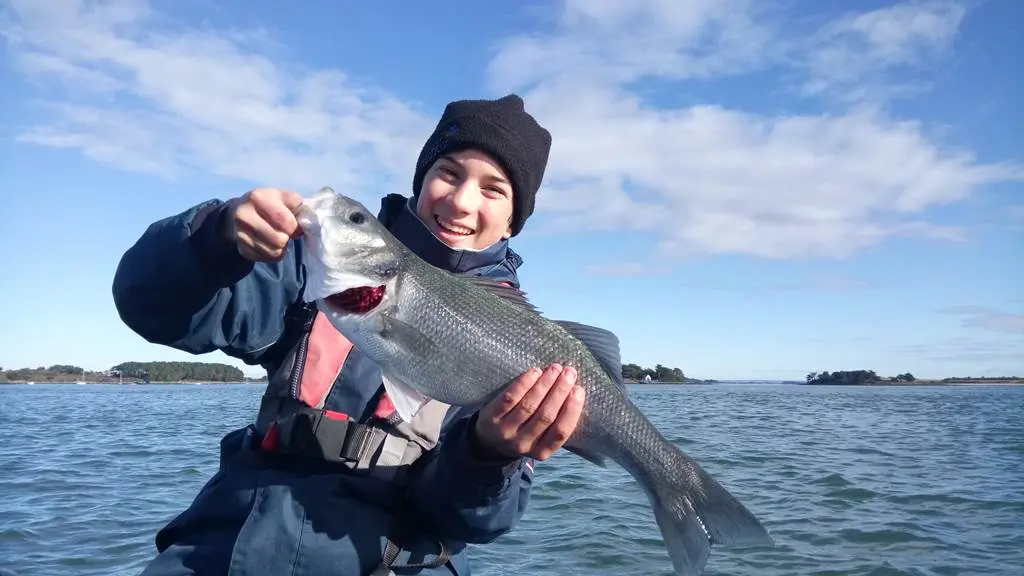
358,300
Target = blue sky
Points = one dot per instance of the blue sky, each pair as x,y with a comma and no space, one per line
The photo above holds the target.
742,189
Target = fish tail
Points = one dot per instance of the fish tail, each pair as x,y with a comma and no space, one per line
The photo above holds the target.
694,512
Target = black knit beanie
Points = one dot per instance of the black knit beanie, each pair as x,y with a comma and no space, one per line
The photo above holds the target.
502,129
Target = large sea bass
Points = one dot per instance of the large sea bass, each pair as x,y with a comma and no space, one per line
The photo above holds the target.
461,340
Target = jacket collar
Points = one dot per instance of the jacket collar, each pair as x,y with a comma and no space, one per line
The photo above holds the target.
398,215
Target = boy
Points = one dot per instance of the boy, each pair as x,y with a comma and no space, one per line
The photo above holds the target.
327,480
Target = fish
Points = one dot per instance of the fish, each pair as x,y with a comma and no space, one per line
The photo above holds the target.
461,339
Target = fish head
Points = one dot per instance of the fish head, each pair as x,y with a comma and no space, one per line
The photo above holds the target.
351,259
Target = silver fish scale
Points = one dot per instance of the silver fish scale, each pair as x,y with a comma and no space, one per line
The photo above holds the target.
455,319
469,346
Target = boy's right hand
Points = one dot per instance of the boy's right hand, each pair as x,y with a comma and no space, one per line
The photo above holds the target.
264,222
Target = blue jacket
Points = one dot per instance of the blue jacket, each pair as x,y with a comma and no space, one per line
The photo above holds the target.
184,285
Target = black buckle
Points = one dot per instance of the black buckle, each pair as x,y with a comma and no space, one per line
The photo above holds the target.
312,434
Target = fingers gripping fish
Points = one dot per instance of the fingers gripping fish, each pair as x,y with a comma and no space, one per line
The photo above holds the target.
461,340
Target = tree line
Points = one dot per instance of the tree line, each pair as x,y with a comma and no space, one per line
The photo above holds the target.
178,371
635,372
983,379
854,378
129,371
216,372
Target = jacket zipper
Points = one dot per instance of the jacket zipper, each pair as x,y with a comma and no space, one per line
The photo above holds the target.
300,353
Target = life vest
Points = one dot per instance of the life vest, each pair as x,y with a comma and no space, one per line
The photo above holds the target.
293,420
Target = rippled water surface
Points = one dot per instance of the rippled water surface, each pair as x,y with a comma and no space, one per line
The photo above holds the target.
866,481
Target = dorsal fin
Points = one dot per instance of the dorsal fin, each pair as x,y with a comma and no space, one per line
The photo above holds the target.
603,344
510,293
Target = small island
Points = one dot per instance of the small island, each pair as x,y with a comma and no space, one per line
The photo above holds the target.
129,373
636,374
871,378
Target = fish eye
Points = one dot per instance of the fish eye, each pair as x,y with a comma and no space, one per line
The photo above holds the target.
357,218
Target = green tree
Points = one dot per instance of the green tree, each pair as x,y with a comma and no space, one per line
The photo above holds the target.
178,371
843,377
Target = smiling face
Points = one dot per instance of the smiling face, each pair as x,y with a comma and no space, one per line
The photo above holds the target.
466,200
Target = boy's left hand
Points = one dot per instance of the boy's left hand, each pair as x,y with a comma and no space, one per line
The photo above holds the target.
534,416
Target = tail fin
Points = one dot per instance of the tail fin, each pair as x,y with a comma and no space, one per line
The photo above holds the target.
694,515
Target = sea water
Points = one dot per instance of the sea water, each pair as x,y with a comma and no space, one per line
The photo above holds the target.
849,480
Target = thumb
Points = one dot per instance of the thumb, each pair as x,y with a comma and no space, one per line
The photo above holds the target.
291,200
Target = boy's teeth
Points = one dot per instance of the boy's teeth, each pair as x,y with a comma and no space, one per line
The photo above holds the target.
453,228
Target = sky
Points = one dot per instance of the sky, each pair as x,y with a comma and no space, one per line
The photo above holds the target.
744,189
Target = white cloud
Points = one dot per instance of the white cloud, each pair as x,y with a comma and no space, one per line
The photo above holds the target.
988,318
851,55
709,179
165,102
713,180
995,357
704,179
622,41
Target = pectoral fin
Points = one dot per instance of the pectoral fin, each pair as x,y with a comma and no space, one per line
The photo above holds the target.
407,338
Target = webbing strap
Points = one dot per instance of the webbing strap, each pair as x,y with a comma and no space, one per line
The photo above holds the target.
321,435
391,454
391,552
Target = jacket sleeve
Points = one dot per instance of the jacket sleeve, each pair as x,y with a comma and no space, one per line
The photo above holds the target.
463,496
183,284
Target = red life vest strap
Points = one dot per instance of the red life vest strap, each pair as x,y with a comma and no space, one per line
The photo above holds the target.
326,352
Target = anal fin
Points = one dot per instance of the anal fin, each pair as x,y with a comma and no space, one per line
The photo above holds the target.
593,458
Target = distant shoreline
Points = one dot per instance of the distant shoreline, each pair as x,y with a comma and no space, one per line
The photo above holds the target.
687,382
877,384
872,378
924,383
952,381
131,383
207,373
